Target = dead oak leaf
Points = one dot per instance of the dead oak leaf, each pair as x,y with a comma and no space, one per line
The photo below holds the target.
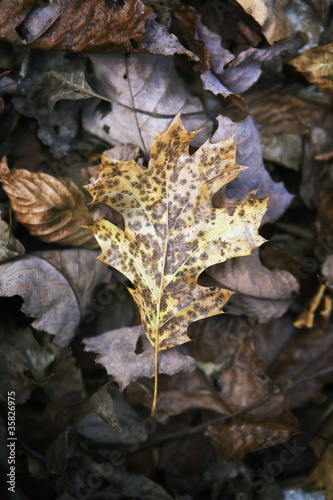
172,231
52,209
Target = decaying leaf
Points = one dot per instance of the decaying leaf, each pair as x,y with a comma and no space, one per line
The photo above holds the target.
52,209
256,177
117,354
172,231
261,292
316,65
47,296
145,93
101,404
321,477
98,27
271,17
10,247
237,439
23,363
80,267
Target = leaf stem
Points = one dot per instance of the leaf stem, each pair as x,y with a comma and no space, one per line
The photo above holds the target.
153,408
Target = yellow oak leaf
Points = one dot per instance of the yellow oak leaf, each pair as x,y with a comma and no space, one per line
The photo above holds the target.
173,232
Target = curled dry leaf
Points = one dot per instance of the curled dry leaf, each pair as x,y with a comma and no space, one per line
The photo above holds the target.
172,231
47,296
116,351
245,70
101,404
316,64
261,293
99,27
52,209
10,247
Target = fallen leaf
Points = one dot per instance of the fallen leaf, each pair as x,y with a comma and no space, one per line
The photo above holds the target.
47,296
80,267
57,388
10,247
185,17
157,40
145,93
116,352
99,27
101,404
304,364
172,231
219,56
321,476
94,427
52,209
261,292
271,17
237,439
305,20
284,149
180,393
56,458
256,177
244,385
316,66
23,363
246,69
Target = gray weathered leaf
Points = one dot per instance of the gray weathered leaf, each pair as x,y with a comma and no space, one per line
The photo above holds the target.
152,86
256,177
261,293
82,270
116,351
101,404
47,296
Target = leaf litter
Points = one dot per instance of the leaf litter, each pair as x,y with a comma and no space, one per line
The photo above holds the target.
249,375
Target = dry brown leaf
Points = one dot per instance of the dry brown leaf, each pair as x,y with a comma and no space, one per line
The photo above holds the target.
271,17
180,393
52,209
316,64
322,477
302,364
238,438
172,231
89,26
